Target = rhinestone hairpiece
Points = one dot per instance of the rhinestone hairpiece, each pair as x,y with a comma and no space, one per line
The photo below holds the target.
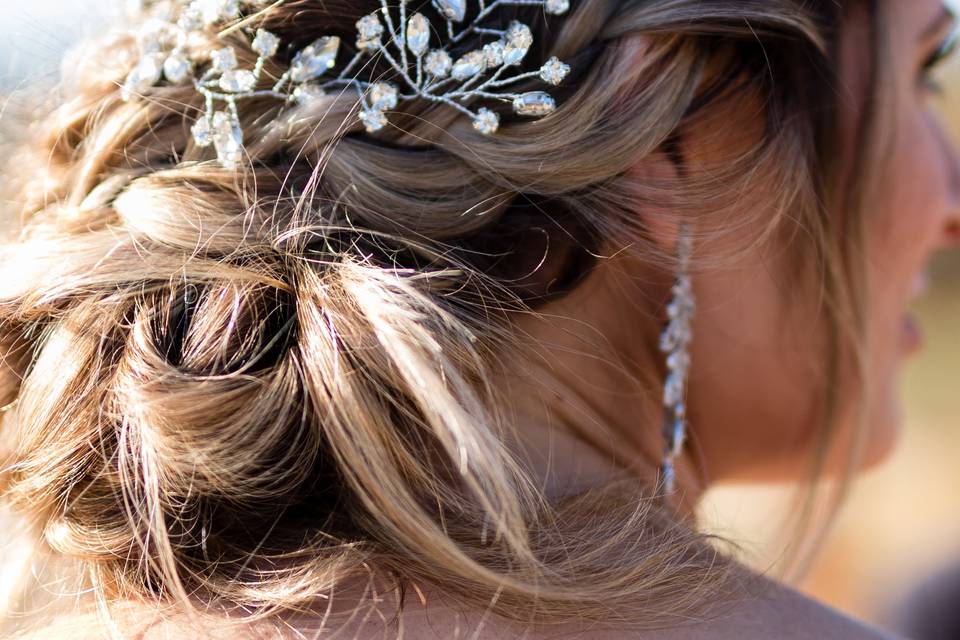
403,41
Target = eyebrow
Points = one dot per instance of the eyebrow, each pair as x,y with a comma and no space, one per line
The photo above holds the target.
945,17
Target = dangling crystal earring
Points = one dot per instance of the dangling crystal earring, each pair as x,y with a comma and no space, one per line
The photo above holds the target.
675,341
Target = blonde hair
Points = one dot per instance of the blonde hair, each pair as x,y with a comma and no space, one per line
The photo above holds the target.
248,386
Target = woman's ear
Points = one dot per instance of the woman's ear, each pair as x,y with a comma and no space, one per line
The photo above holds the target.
655,178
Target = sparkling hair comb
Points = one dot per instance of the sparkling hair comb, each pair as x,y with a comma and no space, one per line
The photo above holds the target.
403,41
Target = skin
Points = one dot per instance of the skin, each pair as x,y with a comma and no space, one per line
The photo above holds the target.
752,375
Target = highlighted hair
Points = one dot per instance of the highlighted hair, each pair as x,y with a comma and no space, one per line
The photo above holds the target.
248,387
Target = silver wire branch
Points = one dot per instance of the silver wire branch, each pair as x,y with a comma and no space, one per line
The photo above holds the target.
426,72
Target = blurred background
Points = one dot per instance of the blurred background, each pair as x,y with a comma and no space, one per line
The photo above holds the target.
900,526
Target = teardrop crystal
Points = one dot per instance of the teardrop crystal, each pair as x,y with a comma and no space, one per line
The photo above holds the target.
315,59
227,139
202,132
534,103
176,68
518,39
455,10
143,76
469,65
418,34
494,52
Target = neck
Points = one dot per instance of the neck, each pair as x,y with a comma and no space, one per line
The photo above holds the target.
585,392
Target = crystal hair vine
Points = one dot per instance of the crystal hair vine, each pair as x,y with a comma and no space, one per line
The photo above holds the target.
424,72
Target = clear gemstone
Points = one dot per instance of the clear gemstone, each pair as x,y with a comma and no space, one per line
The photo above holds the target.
438,63
680,411
227,138
224,59
518,41
162,11
557,7
673,390
238,81
265,44
308,92
213,11
469,65
202,132
144,75
683,291
679,361
373,120
534,103
494,52
486,121
455,10
668,339
554,71
677,437
519,34
196,40
369,30
382,95
418,34
315,59
176,68
191,19
674,309
669,476
680,307
152,35
229,9
676,334
181,39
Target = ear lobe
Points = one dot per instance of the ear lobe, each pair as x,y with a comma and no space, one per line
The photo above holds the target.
654,180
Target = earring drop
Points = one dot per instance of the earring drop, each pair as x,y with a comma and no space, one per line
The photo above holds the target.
675,342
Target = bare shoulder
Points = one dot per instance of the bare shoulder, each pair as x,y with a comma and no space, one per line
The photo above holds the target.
141,622
762,609
767,610
771,610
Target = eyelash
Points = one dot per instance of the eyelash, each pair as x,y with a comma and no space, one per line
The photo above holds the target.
942,52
